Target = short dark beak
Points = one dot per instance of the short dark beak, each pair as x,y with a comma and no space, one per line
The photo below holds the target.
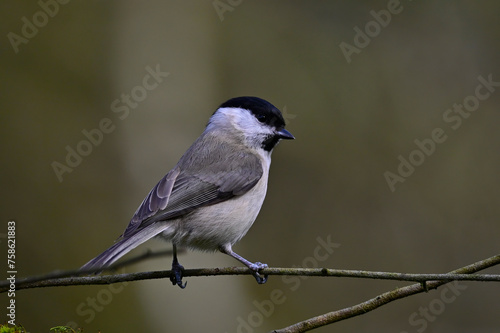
284,134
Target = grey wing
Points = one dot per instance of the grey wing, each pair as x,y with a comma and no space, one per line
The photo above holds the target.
218,180
156,200
185,188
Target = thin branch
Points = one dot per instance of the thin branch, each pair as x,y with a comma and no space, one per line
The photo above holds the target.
74,278
387,297
56,275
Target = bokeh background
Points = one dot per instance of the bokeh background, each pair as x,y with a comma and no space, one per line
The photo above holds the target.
352,120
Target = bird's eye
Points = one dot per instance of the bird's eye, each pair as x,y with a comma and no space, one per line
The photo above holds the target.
261,118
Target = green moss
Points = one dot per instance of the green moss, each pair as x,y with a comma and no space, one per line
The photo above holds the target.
5,328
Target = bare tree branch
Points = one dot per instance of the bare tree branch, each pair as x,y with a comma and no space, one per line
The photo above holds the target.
387,297
74,278
4,285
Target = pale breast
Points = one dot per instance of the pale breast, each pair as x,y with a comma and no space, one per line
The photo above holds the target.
227,222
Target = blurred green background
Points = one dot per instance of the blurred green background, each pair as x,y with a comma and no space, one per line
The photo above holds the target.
352,120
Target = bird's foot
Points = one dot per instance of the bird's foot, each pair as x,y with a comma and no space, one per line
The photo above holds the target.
255,267
176,277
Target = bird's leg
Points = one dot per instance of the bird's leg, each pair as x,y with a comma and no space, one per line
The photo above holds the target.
177,269
254,266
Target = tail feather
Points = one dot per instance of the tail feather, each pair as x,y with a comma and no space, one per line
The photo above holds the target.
124,245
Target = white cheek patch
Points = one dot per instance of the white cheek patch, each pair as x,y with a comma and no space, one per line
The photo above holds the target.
246,122
243,121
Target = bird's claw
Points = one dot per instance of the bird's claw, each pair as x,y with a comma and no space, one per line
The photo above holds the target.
255,267
260,279
176,277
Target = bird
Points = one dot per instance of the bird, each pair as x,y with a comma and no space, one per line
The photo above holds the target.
213,195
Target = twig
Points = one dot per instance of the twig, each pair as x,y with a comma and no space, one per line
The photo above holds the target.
387,297
56,275
74,278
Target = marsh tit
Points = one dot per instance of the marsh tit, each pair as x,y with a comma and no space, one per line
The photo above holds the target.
210,199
